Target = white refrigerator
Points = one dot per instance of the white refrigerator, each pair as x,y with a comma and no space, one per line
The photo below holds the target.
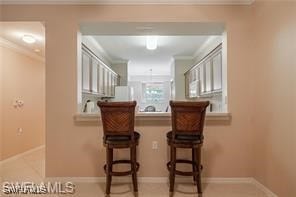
123,93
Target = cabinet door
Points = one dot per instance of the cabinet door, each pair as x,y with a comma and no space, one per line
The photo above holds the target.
217,72
187,78
94,76
100,79
208,75
113,85
202,78
106,80
196,70
110,83
86,72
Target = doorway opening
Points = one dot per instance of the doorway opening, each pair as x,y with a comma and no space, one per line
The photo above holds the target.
22,97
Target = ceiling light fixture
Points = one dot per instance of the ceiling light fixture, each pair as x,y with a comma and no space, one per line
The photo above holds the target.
151,42
29,39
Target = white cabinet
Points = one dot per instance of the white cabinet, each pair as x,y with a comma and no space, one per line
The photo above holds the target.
97,78
205,78
94,76
106,80
113,85
217,72
187,85
110,83
86,72
202,78
100,80
208,75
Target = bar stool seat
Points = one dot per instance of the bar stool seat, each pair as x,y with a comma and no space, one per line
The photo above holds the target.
122,139
185,138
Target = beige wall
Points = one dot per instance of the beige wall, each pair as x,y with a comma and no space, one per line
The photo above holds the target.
275,96
249,146
121,69
1,104
21,78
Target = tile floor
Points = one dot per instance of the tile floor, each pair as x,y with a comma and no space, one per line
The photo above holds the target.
31,168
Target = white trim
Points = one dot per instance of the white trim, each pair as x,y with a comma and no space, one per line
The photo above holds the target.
105,55
18,156
165,116
19,49
130,2
100,49
205,45
264,189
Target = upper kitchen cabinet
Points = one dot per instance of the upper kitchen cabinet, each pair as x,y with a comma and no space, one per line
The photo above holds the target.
217,71
86,72
97,77
205,78
100,81
94,76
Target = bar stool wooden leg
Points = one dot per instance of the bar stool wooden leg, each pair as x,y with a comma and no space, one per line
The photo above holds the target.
173,168
109,154
199,184
133,154
194,166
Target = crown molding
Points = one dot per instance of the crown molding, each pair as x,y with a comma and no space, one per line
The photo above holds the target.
97,45
210,40
105,55
129,2
20,49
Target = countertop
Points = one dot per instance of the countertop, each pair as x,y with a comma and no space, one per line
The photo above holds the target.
94,117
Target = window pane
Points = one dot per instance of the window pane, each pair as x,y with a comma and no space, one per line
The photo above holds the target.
154,92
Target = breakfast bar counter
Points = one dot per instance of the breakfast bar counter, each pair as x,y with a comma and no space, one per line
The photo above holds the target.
154,116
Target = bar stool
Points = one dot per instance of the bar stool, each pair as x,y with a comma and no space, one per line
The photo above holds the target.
118,125
187,132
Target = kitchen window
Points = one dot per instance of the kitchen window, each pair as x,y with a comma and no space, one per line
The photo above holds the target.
153,92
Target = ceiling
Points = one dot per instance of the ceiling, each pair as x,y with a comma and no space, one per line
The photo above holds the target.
126,41
14,31
133,49
125,2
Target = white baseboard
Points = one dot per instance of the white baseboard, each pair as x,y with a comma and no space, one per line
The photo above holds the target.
267,191
240,180
22,154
